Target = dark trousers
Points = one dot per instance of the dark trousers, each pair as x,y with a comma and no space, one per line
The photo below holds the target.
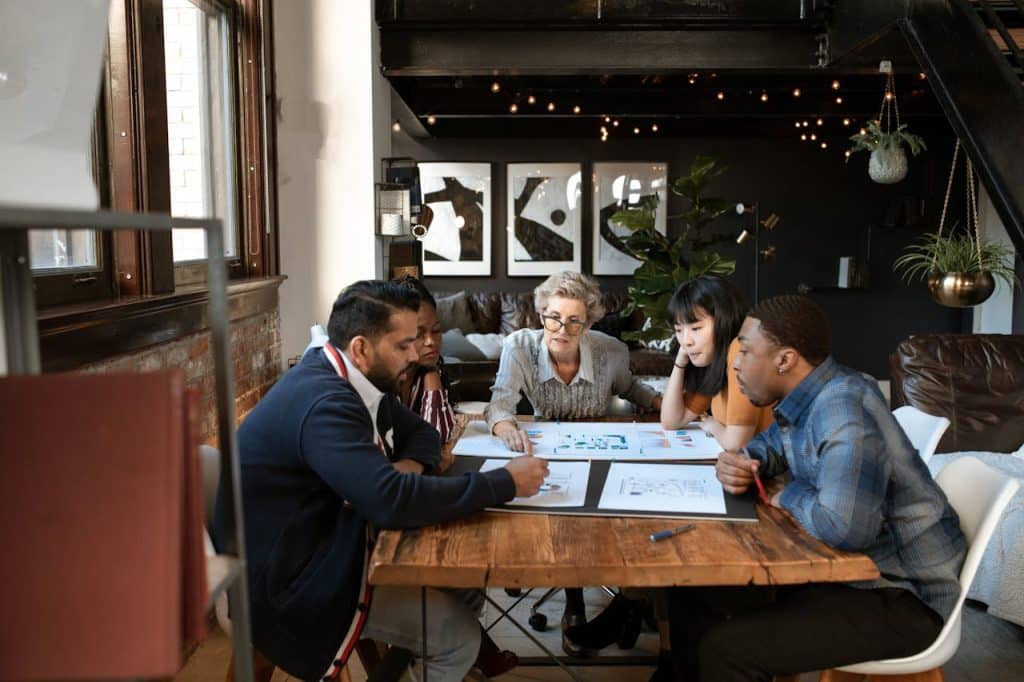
723,634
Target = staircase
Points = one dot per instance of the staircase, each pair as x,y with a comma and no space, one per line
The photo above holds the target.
1005,22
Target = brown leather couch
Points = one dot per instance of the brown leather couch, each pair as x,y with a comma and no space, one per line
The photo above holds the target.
505,312
975,380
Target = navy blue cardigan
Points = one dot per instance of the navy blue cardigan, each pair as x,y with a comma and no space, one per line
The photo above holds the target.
306,449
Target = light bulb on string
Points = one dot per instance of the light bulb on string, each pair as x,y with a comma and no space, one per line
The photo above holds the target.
636,131
839,100
813,137
835,85
720,95
551,106
576,109
796,92
495,87
820,122
531,100
431,120
764,96
654,127
803,136
824,145
846,121
396,127
513,108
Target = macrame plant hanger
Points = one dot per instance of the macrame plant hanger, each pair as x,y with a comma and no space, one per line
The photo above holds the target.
958,289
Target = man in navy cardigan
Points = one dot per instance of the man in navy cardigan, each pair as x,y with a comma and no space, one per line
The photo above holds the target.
330,456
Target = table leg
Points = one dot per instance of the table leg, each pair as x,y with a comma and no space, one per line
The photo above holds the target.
552,656
423,622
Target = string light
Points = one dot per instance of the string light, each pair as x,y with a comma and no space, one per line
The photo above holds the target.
796,92
692,78
847,153
806,124
764,96
813,137
835,85
846,121
922,76
576,109
531,100
824,145
495,87
839,100
888,96
636,131
396,127
615,123
654,127
607,119
551,106
803,136
513,108
431,120
820,122
798,124
863,131
720,95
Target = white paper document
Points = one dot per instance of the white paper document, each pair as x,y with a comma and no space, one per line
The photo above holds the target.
594,441
679,488
565,486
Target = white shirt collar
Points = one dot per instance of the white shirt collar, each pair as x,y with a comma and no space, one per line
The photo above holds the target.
368,393
546,366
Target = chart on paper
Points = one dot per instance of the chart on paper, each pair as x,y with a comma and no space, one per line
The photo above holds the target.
565,485
595,441
682,488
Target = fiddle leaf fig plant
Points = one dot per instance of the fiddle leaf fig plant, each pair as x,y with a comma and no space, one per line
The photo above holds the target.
666,263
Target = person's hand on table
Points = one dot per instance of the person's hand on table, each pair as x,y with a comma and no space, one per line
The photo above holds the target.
529,473
513,437
736,471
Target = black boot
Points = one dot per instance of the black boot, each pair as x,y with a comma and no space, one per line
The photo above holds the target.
574,616
619,622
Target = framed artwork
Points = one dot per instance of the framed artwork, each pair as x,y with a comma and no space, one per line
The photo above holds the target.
618,186
455,223
544,218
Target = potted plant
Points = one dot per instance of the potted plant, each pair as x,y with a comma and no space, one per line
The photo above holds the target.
960,269
665,263
888,162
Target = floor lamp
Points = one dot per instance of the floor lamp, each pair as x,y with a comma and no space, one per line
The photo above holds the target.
769,224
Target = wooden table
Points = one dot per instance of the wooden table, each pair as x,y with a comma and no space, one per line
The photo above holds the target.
496,549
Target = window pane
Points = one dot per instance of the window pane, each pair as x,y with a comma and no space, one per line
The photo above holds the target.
62,250
200,124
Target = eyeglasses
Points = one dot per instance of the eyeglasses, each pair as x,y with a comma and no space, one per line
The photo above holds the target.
554,324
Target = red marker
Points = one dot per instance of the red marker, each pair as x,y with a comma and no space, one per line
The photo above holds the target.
762,494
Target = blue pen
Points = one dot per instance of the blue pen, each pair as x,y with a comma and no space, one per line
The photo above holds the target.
665,534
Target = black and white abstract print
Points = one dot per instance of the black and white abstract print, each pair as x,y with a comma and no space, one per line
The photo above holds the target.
618,186
544,230
457,215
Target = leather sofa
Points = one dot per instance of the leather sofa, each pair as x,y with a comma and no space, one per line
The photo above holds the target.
505,312
975,380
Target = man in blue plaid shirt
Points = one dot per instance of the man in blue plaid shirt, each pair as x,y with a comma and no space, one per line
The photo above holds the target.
857,485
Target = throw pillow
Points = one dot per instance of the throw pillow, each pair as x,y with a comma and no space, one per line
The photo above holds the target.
455,345
453,312
489,344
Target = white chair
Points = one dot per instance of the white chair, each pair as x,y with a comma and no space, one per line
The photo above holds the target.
979,494
923,429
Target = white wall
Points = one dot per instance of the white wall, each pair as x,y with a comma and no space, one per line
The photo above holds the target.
333,128
994,316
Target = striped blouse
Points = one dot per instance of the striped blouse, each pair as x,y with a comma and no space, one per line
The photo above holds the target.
433,407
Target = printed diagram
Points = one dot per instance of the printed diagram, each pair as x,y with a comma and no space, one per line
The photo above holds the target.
591,442
556,485
663,487
565,485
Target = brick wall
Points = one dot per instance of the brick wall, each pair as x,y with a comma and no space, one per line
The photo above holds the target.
255,356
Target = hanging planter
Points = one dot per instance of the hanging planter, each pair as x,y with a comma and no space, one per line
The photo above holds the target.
888,162
961,269
887,166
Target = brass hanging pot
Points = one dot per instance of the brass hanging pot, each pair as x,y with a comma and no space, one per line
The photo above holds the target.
960,289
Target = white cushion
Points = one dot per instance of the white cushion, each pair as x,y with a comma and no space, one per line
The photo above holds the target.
489,344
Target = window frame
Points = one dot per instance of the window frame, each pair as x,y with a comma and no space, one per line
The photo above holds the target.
136,174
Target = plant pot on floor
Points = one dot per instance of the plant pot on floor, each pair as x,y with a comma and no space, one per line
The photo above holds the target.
887,166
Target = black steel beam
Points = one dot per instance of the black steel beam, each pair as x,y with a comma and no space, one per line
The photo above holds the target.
407,52
981,96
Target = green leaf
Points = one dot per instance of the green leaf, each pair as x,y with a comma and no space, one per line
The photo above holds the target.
633,218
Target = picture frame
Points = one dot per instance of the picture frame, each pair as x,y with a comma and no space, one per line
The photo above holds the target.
618,185
544,218
454,225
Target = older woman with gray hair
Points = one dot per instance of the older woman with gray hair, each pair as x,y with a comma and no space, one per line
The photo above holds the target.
566,369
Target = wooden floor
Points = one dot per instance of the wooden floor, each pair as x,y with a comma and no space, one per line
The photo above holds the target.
991,649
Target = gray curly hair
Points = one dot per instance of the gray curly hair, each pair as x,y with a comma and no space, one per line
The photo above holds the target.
574,285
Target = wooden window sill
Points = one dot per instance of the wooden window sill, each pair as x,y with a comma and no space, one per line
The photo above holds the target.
77,335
